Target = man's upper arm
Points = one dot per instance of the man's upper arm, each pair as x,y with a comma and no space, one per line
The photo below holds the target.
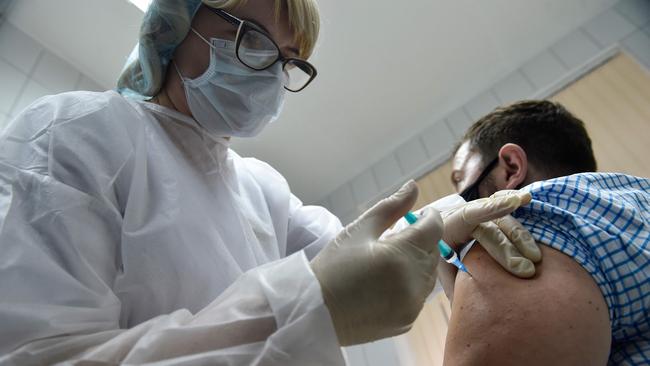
557,318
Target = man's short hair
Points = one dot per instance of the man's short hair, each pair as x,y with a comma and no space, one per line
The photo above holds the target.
555,141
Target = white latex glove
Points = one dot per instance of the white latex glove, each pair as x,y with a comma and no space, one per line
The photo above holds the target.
375,288
488,221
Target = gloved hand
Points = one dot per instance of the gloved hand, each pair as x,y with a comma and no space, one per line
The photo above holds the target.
375,288
502,236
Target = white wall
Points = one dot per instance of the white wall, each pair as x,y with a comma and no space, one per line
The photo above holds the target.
29,71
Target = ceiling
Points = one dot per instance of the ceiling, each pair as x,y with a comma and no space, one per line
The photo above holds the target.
385,71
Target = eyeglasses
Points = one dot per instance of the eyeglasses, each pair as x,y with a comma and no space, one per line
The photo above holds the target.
471,193
257,50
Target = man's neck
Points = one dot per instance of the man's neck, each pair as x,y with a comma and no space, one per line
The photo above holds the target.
535,175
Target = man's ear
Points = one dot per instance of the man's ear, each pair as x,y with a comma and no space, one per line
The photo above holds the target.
515,162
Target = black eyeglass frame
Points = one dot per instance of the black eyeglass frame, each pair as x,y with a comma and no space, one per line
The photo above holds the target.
242,26
471,193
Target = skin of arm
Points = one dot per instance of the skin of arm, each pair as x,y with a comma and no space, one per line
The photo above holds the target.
559,317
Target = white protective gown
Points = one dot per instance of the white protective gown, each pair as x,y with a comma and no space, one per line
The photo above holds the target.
128,235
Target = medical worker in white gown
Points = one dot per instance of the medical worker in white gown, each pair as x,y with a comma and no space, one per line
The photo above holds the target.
130,233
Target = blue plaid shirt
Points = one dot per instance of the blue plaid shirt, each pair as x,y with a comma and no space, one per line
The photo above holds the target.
602,221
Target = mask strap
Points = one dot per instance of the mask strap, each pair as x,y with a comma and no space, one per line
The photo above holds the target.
204,40
200,36
178,71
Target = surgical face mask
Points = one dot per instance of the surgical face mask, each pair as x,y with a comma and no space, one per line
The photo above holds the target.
230,99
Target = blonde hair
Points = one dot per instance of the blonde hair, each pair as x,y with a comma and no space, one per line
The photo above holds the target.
304,19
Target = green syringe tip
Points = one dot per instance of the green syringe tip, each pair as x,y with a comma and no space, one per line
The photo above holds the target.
410,217
445,249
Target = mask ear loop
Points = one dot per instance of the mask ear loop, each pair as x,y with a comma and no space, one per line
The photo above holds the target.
204,40
184,88
178,72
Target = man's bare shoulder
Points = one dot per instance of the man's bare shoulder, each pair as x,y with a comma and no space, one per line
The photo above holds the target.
559,317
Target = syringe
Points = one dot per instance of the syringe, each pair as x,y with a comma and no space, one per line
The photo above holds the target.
448,254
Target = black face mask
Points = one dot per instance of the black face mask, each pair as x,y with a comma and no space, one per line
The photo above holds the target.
471,193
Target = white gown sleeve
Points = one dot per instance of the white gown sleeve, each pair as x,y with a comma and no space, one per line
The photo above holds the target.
60,255
310,227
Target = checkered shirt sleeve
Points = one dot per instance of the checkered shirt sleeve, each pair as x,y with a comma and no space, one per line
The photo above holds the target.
602,221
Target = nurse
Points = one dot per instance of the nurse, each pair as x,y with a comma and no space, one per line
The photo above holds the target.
132,234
